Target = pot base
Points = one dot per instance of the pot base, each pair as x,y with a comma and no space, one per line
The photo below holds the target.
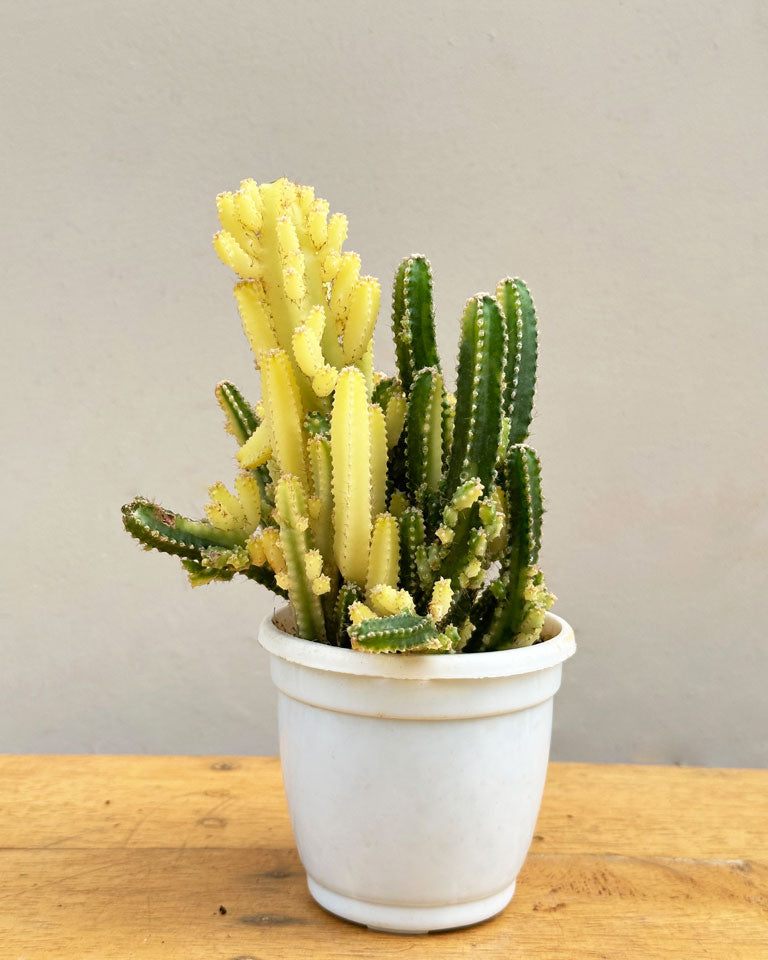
410,920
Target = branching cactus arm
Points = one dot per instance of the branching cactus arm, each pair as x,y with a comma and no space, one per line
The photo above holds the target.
477,421
424,436
520,372
304,578
351,453
413,319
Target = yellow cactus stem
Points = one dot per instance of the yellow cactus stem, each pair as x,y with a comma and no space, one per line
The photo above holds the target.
470,493
291,260
270,542
384,559
313,562
378,464
316,320
255,549
361,318
284,414
331,266
248,206
343,285
248,493
331,253
351,453
283,580
321,503
232,254
365,363
386,601
395,413
224,509
321,585
444,535
358,612
307,351
317,223
442,596
325,380
232,222
257,449
253,315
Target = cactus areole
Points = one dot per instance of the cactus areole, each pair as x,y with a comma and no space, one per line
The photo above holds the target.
394,515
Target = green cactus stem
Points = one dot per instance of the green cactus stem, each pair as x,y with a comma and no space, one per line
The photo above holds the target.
207,552
412,535
520,372
413,319
424,435
169,532
293,519
477,421
522,472
402,633
241,419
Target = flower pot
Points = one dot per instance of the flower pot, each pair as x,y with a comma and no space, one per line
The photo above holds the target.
414,782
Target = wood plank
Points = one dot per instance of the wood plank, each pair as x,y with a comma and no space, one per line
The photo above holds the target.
629,862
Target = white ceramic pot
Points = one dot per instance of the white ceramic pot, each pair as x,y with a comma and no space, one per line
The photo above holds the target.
414,782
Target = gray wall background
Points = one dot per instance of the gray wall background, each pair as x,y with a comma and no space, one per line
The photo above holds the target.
613,154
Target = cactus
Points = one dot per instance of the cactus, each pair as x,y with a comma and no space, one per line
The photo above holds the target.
395,516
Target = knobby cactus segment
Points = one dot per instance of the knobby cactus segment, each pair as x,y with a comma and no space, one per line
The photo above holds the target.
520,371
351,456
424,435
477,420
303,578
396,517
413,319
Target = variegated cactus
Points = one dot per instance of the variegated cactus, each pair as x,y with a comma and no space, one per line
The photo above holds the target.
394,515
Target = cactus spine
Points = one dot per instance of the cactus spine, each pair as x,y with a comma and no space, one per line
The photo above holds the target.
396,516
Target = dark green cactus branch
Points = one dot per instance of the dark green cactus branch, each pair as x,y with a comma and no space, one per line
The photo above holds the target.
402,633
241,420
413,319
520,371
291,511
412,535
169,532
477,422
522,473
348,594
424,435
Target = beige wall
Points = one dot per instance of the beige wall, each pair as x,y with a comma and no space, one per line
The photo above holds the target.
613,154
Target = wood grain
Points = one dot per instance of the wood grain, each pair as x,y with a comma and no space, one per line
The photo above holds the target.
114,858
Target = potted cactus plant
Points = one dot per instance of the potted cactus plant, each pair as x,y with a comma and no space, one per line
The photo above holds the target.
416,659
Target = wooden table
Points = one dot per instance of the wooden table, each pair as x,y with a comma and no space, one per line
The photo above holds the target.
193,858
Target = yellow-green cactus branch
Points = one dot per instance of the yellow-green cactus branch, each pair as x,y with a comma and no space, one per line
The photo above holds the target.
361,317
378,461
284,414
224,510
386,601
257,449
384,560
351,454
321,503
303,564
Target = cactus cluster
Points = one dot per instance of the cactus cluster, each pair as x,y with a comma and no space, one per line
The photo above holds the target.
394,515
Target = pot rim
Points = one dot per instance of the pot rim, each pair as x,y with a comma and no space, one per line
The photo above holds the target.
559,646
